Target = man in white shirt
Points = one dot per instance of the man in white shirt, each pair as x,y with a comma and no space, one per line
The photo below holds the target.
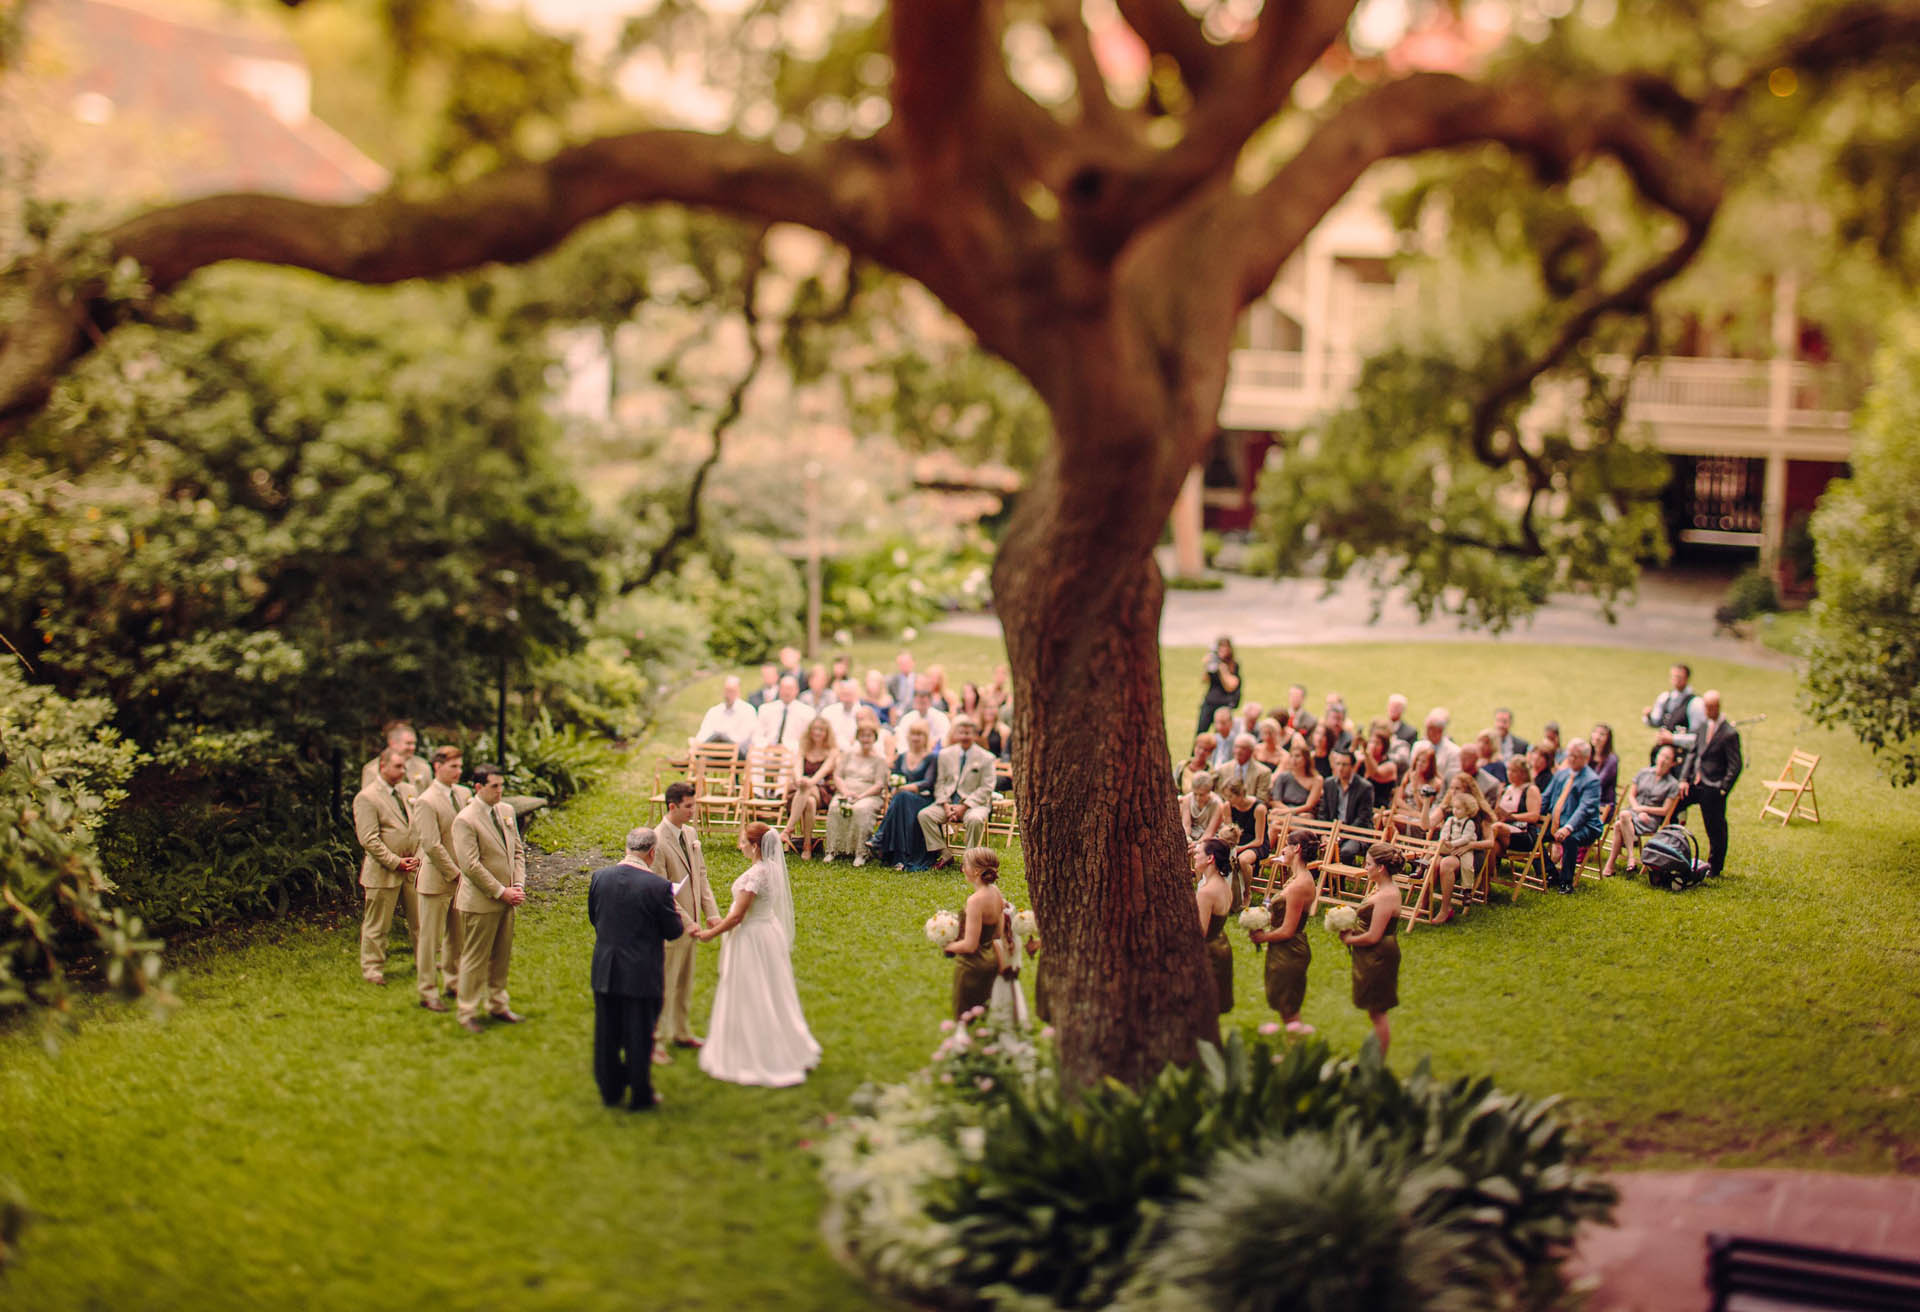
1446,752
1397,720
924,713
731,721
840,714
785,719
769,687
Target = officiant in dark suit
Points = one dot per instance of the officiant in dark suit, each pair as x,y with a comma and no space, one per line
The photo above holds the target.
634,917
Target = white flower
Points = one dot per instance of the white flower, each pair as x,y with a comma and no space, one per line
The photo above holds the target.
909,633
972,1140
1025,924
1256,920
1341,920
899,557
943,927
843,636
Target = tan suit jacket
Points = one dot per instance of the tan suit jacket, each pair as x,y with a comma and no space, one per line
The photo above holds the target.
386,832
486,867
972,777
413,783
433,814
696,894
1258,774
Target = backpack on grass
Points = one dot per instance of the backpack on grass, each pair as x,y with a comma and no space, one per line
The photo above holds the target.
1672,861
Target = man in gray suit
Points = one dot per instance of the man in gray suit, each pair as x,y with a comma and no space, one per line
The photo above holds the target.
962,792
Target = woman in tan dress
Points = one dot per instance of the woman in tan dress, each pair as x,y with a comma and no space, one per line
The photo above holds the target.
1288,955
976,964
1375,941
859,785
1202,811
1214,900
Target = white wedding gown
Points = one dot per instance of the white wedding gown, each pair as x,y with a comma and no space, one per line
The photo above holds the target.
758,1034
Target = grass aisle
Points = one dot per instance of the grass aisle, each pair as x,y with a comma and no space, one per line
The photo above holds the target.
293,1137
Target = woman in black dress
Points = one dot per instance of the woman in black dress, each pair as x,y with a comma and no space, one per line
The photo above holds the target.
901,844
1376,942
1223,681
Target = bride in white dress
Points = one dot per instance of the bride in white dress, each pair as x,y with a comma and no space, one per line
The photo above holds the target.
757,1034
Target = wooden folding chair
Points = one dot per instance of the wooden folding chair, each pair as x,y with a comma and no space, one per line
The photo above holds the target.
763,785
1337,871
1003,820
1592,860
715,772
1418,884
1799,785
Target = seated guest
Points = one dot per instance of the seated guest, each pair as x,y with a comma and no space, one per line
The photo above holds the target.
1299,718
1339,736
1419,789
1382,771
996,735
1202,811
1397,720
1269,748
810,788
1606,762
1486,750
1644,809
1247,720
1348,798
1320,747
1550,777
1461,840
784,719
1516,812
1578,813
842,668
1247,817
900,687
1297,789
769,689
875,697
1550,739
1256,777
900,843
970,700
1001,690
1223,735
1399,751
962,793
819,693
841,712
1509,745
730,720
859,784
884,739
790,665
1201,760
1470,765
925,712
1446,753
943,697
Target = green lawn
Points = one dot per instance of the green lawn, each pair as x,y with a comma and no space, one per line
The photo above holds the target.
292,1137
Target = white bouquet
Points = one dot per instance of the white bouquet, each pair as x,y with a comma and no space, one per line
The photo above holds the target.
896,780
1025,924
845,804
1342,920
1256,920
943,927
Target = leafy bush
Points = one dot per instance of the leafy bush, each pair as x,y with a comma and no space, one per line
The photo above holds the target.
553,761
73,736
906,583
597,687
1038,1197
1751,593
749,595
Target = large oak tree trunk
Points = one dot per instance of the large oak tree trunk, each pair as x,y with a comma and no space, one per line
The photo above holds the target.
1079,597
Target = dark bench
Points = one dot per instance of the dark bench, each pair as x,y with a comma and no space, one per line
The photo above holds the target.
1780,1274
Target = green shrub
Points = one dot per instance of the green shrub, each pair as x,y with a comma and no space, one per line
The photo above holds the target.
1320,1219
749,596
599,688
1039,1197
1195,583
906,583
1751,593
75,742
553,761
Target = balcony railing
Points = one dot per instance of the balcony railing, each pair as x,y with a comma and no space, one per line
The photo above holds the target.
1288,389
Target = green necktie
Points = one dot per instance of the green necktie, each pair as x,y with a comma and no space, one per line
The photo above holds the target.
497,827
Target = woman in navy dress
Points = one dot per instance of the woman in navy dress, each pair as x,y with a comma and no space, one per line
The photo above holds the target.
900,842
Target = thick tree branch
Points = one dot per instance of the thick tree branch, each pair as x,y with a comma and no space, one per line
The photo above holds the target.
1168,29
1098,113
840,188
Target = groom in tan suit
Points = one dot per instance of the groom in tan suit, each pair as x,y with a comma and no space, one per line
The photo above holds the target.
383,822
677,856
493,874
436,942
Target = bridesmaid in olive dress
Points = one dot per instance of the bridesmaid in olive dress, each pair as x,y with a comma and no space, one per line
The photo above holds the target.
1211,860
1288,955
977,966
1375,942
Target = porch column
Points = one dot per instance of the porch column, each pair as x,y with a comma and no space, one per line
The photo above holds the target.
1773,494
1189,561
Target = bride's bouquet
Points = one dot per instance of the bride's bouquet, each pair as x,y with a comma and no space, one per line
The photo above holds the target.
943,927
1342,920
1256,920
1025,925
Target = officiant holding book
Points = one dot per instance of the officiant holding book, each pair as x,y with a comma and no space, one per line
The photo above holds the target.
680,860
634,921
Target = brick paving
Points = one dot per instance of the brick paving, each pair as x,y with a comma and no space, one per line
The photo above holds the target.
1655,1259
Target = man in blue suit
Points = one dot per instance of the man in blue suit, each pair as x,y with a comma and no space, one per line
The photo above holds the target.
1578,813
634,917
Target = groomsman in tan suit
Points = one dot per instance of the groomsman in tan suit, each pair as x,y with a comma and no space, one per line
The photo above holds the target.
493,874
677,855
401,738
383,822
436,945
962,792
